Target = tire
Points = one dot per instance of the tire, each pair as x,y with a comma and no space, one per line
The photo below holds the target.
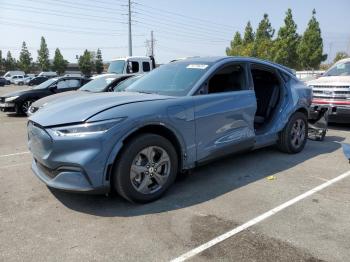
293,137
22,108
131,184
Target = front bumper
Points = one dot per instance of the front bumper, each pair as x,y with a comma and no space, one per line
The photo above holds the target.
8,107
78,164
339,111
65,178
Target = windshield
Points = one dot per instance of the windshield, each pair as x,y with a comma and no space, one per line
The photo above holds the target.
174,79
116,67
46,84
341,69
98,84
124,84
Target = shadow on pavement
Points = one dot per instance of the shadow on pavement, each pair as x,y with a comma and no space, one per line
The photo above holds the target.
206,182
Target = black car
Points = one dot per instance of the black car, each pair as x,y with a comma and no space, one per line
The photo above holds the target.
98,84
2,81
20,101
37,80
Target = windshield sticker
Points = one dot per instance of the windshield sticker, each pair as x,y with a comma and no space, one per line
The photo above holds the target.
197,66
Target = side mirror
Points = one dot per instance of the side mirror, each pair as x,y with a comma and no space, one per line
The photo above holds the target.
53,88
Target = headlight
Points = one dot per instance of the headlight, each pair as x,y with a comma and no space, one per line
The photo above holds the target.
87,128
11,98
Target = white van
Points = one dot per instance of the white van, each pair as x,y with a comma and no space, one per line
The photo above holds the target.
10,74
131,65
48,74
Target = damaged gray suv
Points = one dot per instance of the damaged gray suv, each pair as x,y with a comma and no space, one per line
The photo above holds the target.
176,117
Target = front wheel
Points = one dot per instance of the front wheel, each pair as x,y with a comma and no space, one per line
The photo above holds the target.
145,169
24,107
293,137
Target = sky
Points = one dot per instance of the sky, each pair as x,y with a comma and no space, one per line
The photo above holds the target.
181,28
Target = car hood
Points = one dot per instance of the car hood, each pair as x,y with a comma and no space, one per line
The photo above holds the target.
331,81
17,93
57,97
79,108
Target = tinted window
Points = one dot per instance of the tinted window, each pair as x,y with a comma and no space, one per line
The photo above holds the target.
135,68
228,79
175,79
146,67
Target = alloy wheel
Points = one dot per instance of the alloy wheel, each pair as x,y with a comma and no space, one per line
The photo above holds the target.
150,170
298,133
25,106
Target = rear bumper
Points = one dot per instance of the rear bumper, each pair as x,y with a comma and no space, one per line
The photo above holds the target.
72,179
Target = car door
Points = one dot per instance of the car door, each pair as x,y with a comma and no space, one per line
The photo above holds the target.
225,106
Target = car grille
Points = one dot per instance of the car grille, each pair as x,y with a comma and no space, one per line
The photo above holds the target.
331,92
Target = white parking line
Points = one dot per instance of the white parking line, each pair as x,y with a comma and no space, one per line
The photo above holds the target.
258,219
15,154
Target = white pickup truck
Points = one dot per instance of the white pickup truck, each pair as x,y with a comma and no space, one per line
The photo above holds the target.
131,65
332,90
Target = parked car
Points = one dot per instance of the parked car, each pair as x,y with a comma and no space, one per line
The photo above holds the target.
3,81
20,80
132,65
332,90
20,101
100,83
178,116
9,74
49,74
37,80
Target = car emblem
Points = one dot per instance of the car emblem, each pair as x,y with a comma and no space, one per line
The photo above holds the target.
328,92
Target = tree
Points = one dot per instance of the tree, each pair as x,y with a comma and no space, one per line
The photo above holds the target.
25,58
310,49
59,64
236,43
340,56
263,39
248,34
99,62
264,30
86,63
43,55
286,44
10,62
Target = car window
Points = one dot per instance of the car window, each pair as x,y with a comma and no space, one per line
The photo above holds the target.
62,84
146,67
174,79
73,83
228,79
133,67
116,67
124,84
341,69
98,84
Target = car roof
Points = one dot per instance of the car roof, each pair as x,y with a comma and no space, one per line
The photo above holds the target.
216,59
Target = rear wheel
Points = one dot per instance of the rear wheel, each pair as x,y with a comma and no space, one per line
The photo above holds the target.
293,137
145,169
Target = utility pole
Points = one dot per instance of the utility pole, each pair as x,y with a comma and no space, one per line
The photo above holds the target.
152,44
130,37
